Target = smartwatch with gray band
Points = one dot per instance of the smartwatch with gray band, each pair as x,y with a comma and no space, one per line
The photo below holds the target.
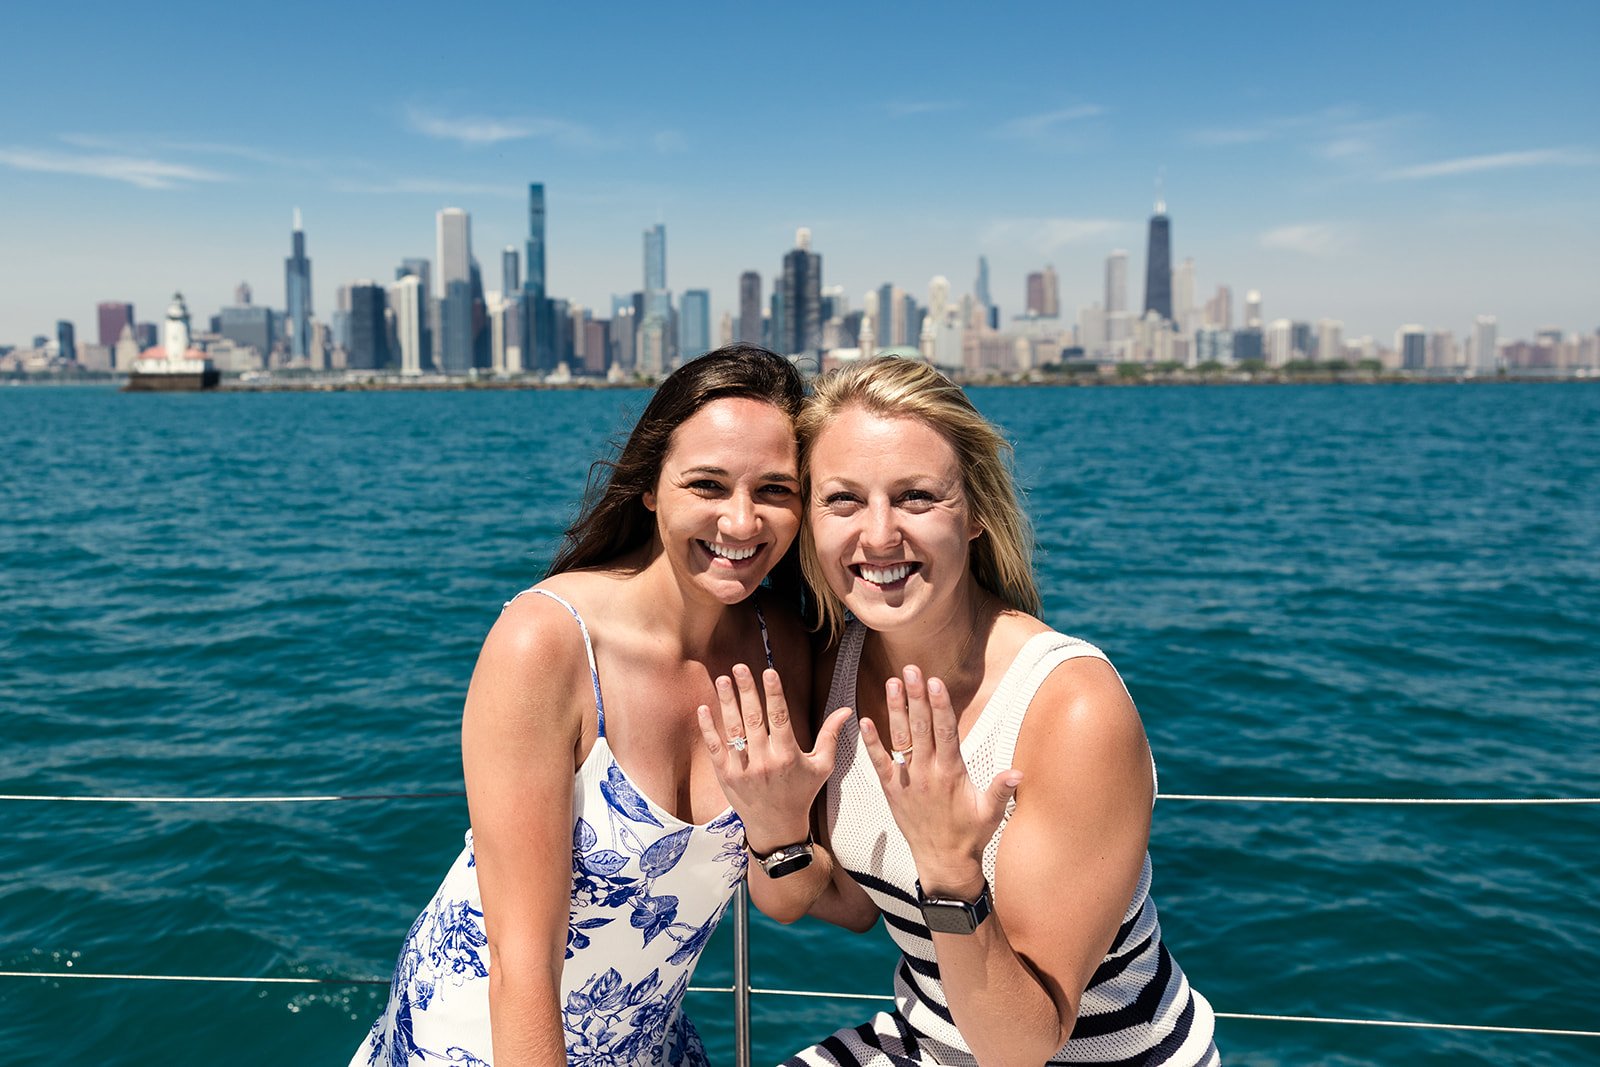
947,916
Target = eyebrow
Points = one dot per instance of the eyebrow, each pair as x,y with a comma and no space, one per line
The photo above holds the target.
770,476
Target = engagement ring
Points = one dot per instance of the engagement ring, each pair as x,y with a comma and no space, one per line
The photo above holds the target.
737,743
900,755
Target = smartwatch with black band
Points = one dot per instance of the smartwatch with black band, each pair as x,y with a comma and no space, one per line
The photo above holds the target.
785,859
947,916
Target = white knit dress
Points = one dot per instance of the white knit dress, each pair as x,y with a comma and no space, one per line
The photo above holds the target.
1138,1008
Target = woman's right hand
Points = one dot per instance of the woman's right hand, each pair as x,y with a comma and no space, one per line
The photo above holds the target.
770,780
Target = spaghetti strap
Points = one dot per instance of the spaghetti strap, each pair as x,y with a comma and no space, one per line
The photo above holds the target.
766,644
588,648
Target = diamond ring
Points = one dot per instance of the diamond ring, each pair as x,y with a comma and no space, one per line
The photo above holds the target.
737,742
901,756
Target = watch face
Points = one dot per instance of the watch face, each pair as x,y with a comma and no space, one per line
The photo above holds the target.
943,918
777,867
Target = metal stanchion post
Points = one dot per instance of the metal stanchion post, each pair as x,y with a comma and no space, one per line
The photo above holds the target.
741,977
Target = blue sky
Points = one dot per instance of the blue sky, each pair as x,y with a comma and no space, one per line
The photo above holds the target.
1378,164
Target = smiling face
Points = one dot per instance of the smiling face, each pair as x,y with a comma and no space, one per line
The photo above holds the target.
889,517
727,503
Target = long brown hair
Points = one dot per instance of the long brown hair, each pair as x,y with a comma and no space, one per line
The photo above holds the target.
613,520
1002,555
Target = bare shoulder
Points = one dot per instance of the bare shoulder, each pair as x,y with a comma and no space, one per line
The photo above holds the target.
532,662
1082,726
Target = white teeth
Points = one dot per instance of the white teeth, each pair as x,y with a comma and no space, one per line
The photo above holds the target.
885,575
730,553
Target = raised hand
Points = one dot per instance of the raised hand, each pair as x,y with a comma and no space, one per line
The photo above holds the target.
764,773
945,817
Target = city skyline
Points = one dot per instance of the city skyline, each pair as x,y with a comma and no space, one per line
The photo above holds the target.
1431,178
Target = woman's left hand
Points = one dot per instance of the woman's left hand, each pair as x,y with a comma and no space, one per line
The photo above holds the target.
765,774
945,817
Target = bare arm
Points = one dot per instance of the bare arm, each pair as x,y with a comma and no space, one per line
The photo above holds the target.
1067,865
519,735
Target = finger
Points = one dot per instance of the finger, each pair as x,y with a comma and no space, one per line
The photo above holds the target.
877,753
942,722
900,739
755,719
827,747
728,707
919,715
997,798
709,734
779,727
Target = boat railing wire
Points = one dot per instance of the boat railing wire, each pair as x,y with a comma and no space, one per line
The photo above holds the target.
741,990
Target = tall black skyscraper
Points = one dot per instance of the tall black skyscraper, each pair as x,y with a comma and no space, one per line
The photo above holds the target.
750,307
369,345
297,287
537,327
800,294
1158,265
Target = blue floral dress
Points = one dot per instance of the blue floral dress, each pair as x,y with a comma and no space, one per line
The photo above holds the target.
647,892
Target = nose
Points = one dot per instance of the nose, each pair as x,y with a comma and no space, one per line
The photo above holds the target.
879,531
738,521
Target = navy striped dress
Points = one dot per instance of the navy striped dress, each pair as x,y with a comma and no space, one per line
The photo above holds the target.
1138,1008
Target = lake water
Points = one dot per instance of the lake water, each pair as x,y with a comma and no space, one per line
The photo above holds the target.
1320,590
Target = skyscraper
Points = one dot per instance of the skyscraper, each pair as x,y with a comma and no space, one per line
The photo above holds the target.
537,328
1330,340
297,289
980,290
694,324
1485,346
1117,281
407,298
508,271
453,336
1183,309
1411,347
535,283
656,335
369,333
800,290
419,269
750,307
66,340
113,316
1052,293
1034,305
883,320
1158,265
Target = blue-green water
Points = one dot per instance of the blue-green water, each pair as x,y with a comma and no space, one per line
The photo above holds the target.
1311,590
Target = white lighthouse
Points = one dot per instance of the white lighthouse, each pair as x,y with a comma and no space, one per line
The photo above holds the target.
173,366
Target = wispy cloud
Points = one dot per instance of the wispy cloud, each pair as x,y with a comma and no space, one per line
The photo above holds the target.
1306,238
129,144
900,109
428,187
1046,235
478,130
1049,128
142,172
1543,157
670,142
1224,136
1340,134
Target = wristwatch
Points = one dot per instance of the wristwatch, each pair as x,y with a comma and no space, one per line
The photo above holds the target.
947,916
785,859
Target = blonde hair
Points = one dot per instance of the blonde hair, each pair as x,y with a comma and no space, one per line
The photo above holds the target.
891,387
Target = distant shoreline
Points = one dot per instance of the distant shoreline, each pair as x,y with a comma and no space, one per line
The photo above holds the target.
451,385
